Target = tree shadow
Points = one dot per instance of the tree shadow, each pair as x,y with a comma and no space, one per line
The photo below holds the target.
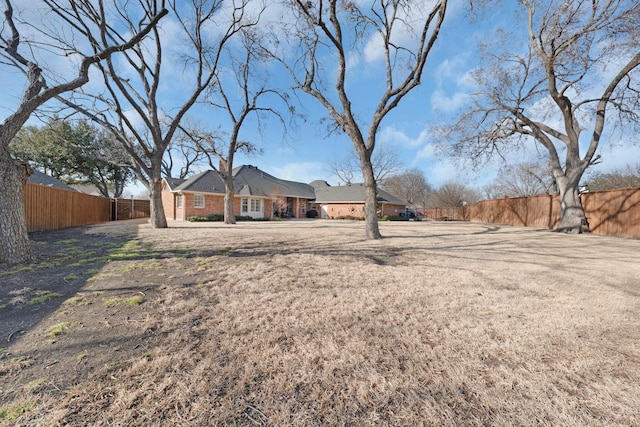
614,213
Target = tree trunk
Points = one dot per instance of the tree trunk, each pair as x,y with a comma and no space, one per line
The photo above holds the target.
370,201
158,218
229,215
572,217
14,240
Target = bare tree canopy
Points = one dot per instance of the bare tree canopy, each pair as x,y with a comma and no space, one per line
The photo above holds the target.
322,49
67,29
628,177
385,161
141,104
577,72
453,194
410,186
521,180
243,90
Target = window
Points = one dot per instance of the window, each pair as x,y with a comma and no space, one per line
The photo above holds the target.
198,201
179,201
251,205
303,207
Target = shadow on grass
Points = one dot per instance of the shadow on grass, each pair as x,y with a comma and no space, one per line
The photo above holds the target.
66,259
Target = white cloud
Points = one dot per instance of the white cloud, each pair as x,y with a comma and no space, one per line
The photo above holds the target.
393,136
443,171
406,31
616,156
441,101
300,172
427,152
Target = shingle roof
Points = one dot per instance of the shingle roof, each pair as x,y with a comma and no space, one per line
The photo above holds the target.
351,193
44,179
174,182
251,181
205,182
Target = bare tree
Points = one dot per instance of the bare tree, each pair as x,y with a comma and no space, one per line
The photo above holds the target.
279,202
135,109
326,34
76,22
522,180
410,186
243,90
385,161
181,154
453,194
627,177
581,62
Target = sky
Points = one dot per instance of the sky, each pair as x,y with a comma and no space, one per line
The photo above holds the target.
305,151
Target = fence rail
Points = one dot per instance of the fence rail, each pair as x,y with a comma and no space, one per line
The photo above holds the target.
609,213
50,208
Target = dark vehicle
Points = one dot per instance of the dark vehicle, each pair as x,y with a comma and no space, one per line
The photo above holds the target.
312,213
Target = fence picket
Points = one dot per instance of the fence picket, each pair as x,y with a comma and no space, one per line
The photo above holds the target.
50,208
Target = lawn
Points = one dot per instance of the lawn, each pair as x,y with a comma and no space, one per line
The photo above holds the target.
305,323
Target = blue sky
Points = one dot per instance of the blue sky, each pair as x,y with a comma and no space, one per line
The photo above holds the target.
306,151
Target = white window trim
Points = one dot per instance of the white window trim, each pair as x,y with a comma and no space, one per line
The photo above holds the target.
179,201
251,206
195,204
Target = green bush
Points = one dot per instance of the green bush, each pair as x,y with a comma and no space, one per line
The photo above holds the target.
392,218
219,218
213,217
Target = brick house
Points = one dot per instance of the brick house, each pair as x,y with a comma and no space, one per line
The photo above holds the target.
348,201
260,195
257,194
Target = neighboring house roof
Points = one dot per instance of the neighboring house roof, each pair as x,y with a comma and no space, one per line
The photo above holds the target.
44,179
319,183
88,189
351,193
251,181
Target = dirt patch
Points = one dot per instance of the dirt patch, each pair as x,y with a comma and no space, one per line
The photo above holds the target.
306,323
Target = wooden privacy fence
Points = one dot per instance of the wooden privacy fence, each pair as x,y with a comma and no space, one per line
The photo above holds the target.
613,212
129,209
535,211
609,213
458,213
50,208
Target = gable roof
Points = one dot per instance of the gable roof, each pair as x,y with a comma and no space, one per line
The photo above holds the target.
49,181
247,181
351,193
172,183
204,182
251,181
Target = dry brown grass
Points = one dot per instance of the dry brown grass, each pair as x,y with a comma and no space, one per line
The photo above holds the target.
307,324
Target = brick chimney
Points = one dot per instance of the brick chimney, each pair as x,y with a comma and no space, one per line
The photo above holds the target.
222,167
